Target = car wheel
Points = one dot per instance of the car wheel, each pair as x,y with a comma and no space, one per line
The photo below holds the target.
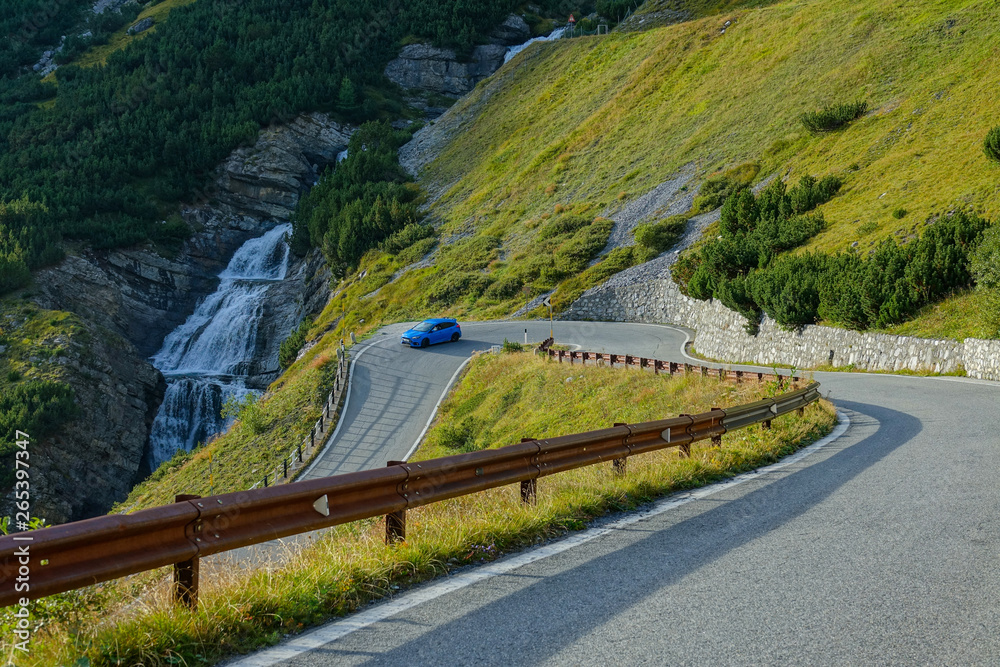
454,338
425,342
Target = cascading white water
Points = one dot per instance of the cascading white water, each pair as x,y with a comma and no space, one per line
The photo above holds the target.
206,359
514,50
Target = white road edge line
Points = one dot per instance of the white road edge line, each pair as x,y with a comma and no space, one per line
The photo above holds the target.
381,611
343,413
437,405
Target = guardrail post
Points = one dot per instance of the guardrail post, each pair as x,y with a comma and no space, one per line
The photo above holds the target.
766,424
801,412
716,439
186,573
620,465
284,464
529,491
395,522
529,487
685,449
300,452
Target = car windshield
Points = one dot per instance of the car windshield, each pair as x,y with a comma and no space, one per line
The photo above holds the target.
424,326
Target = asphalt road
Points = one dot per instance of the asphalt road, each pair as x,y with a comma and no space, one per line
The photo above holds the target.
395,388
881,546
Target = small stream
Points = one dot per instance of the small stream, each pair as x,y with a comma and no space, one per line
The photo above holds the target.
209,357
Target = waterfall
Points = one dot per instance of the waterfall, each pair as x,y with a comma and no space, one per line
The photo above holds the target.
206,359
514,50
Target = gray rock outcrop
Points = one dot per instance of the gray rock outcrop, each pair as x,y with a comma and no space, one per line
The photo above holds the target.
514,30
428,69
267,179
93,461
141,26
422,67
102,6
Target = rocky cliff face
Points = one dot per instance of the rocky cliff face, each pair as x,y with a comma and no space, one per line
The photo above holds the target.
139,294
142,295
130,299
266,180
424,68
305,290
93,461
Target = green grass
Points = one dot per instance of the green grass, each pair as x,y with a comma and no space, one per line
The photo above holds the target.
958,318
132,621
596,122
98,55
34,340
584,115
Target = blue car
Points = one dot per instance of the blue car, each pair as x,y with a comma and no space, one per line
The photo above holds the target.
428,332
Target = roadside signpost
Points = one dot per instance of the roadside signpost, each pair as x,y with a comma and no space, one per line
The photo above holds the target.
547,302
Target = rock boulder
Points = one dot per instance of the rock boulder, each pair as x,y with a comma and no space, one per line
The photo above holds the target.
514,30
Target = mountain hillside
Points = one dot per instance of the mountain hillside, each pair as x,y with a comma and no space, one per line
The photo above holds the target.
601,120
522,175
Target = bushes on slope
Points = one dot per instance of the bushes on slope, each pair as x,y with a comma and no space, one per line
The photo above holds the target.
658,237
833,117
363,202
991,145
745,271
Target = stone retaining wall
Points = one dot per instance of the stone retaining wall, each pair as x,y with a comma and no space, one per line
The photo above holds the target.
720,335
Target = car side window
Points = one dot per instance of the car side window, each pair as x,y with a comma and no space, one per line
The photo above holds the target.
446,325
438,327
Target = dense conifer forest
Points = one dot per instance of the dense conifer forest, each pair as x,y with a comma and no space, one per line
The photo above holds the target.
104,154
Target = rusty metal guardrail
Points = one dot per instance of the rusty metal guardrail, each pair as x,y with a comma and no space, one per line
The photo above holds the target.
658,366
62,558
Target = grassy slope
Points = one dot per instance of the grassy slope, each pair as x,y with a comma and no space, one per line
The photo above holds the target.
34,341
599,116
351,564
592,118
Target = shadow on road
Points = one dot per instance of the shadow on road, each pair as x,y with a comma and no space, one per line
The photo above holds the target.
536,622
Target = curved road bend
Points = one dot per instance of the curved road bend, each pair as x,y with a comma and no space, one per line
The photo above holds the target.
881,547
